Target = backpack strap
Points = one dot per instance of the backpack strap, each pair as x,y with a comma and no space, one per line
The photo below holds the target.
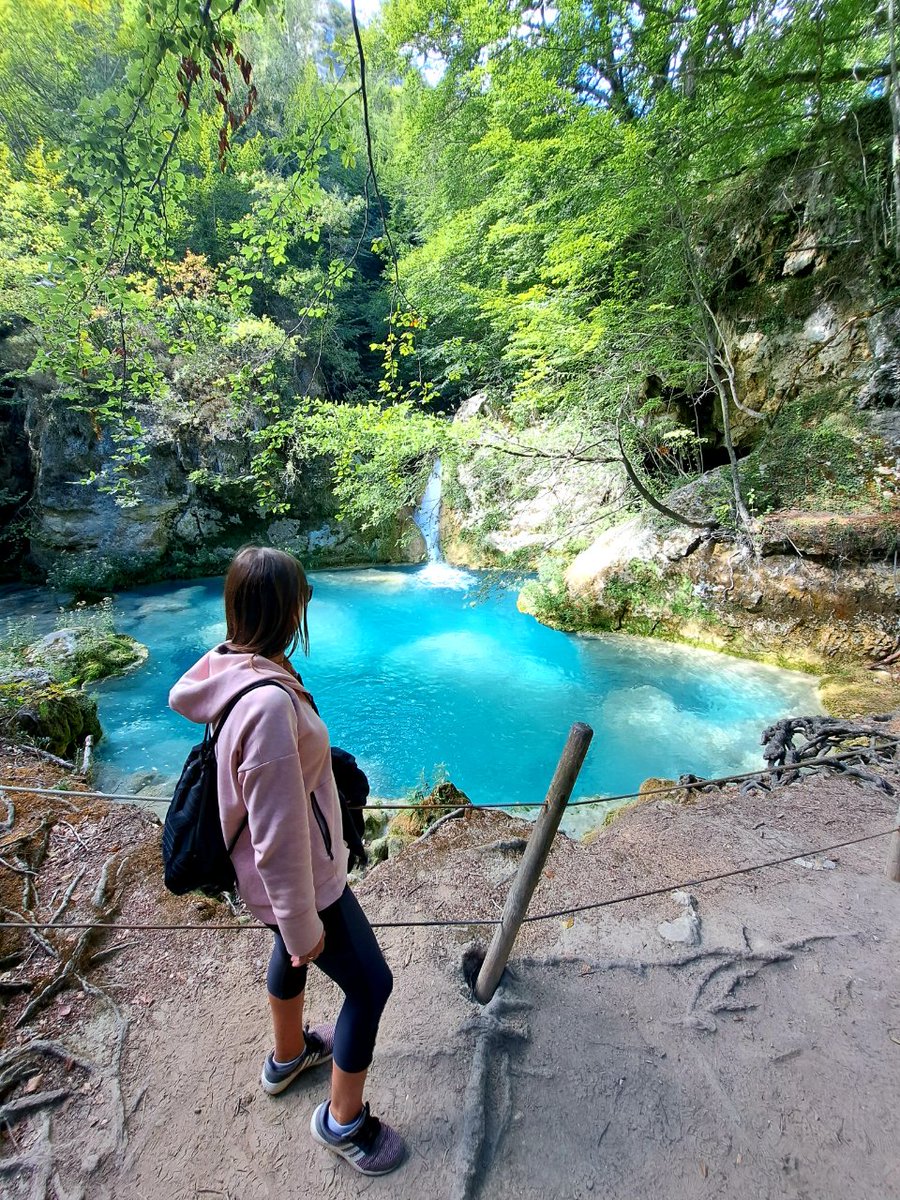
211,738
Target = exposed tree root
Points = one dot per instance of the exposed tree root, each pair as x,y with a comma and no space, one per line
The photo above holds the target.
487,1107
861,746
744,963
69,959
74,959
23,1106
38,1161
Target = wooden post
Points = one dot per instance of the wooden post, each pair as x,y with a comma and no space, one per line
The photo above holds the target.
892,868
533,860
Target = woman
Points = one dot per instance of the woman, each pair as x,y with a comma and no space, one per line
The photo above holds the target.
279,806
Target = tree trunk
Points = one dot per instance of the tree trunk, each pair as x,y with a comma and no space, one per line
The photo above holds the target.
745,521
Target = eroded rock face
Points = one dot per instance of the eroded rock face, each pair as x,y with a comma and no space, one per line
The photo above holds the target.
74,515
818,589
175,515
618,548
502,506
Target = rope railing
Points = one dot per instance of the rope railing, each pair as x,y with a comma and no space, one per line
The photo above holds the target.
461,922
832,760
515,911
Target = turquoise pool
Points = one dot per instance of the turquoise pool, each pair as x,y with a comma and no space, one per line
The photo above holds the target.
426,670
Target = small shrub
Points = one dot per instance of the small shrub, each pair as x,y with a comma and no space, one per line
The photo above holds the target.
90,576
549,599
816,457
18,635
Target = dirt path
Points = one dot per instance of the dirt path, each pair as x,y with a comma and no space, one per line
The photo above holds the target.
762,1062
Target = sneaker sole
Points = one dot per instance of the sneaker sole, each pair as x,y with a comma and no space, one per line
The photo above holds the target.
275,1089
317,1137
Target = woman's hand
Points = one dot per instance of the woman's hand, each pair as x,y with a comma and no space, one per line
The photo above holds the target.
300,960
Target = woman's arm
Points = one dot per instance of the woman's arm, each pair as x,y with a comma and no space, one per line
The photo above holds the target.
278,814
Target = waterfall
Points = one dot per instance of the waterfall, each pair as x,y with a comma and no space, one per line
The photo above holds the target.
436,572
428,514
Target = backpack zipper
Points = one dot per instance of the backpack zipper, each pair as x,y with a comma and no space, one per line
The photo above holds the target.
323,824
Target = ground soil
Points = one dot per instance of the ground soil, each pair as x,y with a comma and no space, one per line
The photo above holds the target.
762,1062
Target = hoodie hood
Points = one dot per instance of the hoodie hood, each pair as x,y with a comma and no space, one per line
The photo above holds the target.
203,691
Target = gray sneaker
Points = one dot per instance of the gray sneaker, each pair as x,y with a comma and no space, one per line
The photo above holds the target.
371,1149
319,1046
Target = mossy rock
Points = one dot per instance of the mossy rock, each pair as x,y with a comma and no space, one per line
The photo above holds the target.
412,822
375,822
85,655
52,715
648,791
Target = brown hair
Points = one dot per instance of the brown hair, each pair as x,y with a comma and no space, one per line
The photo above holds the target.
266,594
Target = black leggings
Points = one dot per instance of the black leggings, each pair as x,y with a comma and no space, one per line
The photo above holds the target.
353,959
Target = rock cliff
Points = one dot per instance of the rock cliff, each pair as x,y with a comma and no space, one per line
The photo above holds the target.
817,589
189,509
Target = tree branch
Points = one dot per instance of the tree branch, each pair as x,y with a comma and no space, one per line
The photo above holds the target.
647,495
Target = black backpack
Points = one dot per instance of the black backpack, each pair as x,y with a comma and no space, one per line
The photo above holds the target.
353,790
195,856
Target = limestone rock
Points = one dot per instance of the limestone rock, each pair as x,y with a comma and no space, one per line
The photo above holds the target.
684,930
802,255
184,513
675,795
498,505
820,590
629,541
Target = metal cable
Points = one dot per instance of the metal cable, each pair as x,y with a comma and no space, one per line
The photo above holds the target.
491,921
831,760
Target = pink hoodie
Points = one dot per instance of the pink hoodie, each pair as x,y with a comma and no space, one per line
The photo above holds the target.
274,765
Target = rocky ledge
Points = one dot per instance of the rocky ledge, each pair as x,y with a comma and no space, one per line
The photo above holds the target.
814,590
